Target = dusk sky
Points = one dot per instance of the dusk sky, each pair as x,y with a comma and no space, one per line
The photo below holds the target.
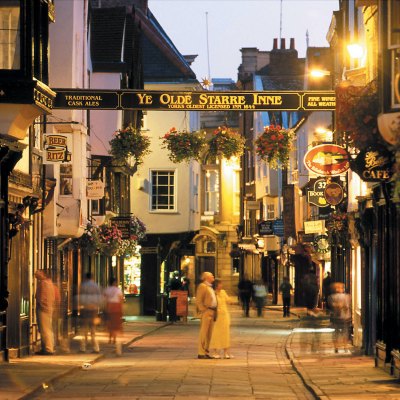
233,24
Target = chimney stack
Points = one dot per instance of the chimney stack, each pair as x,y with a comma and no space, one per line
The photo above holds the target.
275,46
283,44
292,46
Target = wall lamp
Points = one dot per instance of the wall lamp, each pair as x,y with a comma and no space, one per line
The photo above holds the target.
355,50
319,73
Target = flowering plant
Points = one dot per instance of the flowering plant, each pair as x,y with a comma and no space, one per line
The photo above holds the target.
183,145
357,113
89,240
137,229
226,142
337,221
274,145
128,143
109,239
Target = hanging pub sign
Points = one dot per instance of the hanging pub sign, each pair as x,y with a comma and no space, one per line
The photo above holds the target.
95,189
266,228
315,195
327,160
374,164
56,148
333,193
321,244
314,226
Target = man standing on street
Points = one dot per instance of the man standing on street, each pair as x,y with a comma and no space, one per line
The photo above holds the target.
206,303
45,302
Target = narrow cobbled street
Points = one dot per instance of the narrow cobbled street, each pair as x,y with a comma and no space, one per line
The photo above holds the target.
164,365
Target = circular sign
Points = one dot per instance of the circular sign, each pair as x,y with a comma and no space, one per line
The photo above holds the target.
333,193
321,244
327,160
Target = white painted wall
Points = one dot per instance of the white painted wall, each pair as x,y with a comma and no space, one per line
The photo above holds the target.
187,214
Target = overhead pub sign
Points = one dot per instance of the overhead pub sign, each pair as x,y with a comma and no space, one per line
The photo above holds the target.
125,99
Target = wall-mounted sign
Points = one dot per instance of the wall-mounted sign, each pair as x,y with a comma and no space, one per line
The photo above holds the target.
315,195
95,189
333,193
314,226
265,228
374,164
321,244
124,225
327,160
57,148
278,227
191,101
252,205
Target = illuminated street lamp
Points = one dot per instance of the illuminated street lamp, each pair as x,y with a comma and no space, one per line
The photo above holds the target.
319,73
355,50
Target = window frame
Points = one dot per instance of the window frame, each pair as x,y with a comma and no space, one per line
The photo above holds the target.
175,194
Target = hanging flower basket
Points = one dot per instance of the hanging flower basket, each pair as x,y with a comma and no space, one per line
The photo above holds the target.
89,241
357,114
226,143
274,145
129,143
337,222
183,145
137,229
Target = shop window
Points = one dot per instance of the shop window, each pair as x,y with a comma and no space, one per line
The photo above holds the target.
10,46
132,274
209,247
163,191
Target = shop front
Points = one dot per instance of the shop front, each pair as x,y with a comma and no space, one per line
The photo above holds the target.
132,284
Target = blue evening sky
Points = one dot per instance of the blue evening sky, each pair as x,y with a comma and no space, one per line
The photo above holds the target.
233,24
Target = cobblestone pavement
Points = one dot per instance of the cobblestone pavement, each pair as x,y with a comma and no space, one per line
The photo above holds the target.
164,365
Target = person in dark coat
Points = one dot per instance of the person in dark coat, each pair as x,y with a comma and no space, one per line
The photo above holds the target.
326,288
174,283
286,288
245,287
310,286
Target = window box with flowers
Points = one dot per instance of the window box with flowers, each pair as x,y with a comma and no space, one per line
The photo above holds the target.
274,145
128,144
225,142
183,145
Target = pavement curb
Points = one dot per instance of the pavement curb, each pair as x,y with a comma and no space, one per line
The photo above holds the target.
314,389
40,389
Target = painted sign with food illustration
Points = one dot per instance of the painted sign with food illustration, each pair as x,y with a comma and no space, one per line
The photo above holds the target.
333,193
327,160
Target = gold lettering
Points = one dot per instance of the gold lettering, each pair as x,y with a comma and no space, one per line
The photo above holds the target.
145,98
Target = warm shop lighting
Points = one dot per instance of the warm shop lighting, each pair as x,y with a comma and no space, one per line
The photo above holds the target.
319,73
324,134
355,50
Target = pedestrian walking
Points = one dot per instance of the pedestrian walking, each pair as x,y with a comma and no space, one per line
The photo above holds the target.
45,303
245,287
90,302
206,304
113,299
221,339
259,294
286,288
340,306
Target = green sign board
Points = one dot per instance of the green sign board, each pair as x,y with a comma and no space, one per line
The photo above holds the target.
194,101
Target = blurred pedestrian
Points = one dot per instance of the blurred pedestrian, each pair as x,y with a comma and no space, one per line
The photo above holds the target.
286,288
90,302
221,339
259,294
340,306
206,304
45,303
113,299
326,289
310,287
245,287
